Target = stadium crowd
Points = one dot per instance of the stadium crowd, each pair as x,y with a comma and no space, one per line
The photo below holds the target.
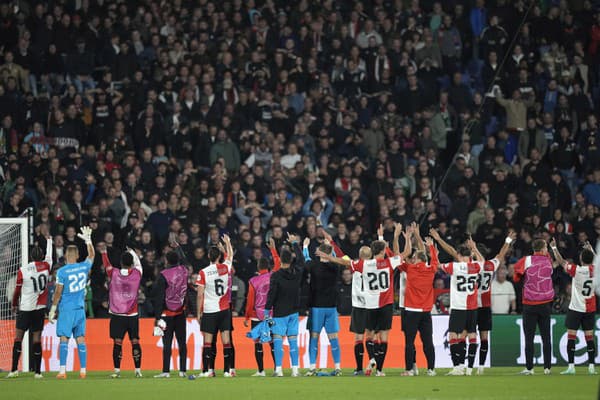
154,122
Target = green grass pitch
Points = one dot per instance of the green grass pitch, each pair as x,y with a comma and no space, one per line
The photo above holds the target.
497,383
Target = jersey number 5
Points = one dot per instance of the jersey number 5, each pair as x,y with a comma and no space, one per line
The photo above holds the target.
77,282
587,288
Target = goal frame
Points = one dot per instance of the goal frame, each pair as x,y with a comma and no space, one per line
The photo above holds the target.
23,223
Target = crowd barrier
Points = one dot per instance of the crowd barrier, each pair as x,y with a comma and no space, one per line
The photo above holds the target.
506,343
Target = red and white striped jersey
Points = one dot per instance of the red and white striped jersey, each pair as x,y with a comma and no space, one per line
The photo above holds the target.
216,281
484,283
32,282
583,296
463,284
378,280
358,297
401,289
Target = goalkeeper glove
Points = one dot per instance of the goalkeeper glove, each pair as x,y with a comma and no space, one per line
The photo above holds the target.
158,331
52,315
86,234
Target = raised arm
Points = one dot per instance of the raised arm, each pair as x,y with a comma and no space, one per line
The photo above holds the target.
336,249
86,236
418,238
407,243
473,246
137,263
346,262
228,248
557,255
433,253
108,267
294,240
275,255
445,246
510,238
49,247
397,233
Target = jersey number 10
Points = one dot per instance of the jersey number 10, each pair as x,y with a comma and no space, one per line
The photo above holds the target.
40,283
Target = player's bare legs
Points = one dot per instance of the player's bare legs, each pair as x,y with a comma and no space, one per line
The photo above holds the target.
483,349
227,353
63,353
207,356
359,351
454,339
370,337
36,338
82,352
117,355
335,352
472,351
591,350
136,352
278,351
381,351
19,334
293,342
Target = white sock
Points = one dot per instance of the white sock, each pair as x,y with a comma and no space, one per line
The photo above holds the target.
138,370
571,365
278,369
294,369
117,370
337,366
82,371
63,369
313,366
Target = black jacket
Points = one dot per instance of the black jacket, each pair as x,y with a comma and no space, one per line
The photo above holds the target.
323,282
284,289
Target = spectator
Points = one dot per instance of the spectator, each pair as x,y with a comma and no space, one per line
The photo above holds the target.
503,294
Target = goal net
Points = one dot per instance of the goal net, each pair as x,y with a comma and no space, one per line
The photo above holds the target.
13,254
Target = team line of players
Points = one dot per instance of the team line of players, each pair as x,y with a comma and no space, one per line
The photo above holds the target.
274,300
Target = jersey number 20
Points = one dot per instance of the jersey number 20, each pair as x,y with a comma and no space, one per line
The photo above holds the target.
379,280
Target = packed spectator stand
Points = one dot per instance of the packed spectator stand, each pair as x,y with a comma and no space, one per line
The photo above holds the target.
184,120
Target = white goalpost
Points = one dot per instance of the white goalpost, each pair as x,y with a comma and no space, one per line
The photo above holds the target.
14,252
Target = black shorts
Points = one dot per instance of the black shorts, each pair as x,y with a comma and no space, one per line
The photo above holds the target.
358,320
576,319
122,324
461,320
380,319
216,322
31,320
484,319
